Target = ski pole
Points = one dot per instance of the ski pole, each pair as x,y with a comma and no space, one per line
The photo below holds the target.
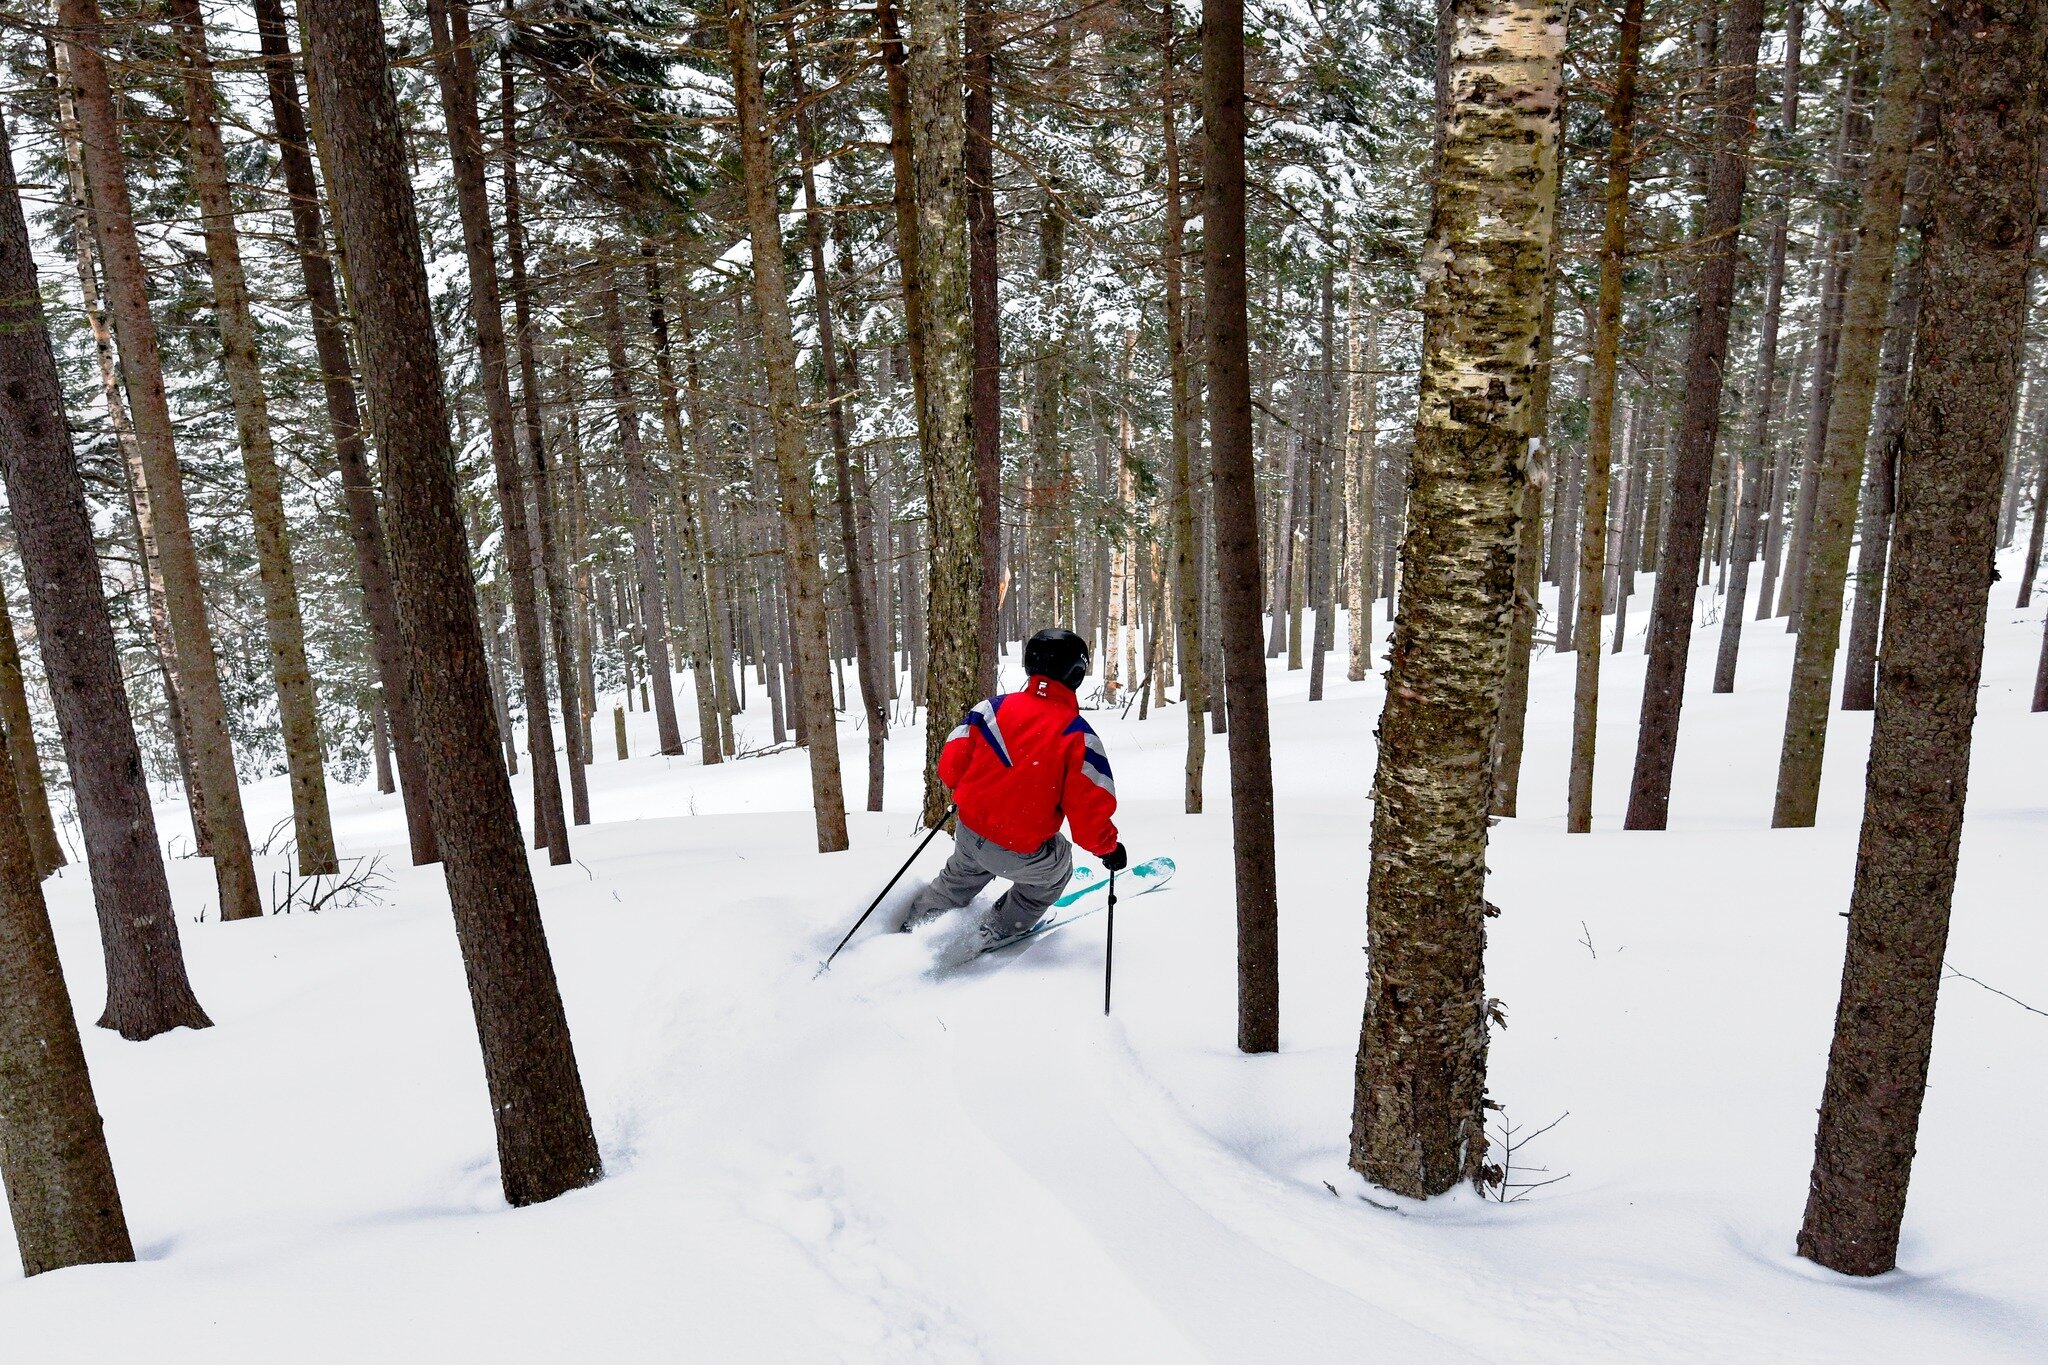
933,833
1109,950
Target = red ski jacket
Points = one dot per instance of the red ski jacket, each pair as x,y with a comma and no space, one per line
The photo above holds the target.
1019,762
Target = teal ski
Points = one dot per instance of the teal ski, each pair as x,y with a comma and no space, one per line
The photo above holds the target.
1139,880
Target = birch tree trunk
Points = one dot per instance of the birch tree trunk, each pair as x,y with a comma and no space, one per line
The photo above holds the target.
344,422
1237,525
945,427
810,650
1418,1121
1671,614
1621,116
1984,211
1864,295
147,989
545,1143
285,632
113,220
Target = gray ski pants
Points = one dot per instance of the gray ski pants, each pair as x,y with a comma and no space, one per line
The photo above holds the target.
1036,880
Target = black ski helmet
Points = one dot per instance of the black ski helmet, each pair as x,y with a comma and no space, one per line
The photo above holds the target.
1057,654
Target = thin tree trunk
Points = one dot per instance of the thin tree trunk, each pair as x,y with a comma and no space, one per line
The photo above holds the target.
1237,526
1864,295
1186,547
867,667
545,1143
22,759
142,364
693,493
986,399
1361,459
640,516
284,631
1754,478
1593,533
803,581
1984,211
61,1191
1328,485
455,71
2040,523
1671,614
1418,1119
147,989
547,545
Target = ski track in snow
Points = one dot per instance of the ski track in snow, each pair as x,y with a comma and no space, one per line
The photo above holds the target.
919,1158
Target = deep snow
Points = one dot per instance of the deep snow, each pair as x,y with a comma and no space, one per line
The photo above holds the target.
887,1164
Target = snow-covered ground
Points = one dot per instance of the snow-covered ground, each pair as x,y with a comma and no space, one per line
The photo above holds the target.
885,1165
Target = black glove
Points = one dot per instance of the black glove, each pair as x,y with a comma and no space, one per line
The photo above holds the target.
1116,860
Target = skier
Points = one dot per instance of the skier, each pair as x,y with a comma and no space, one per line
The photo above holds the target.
1016,764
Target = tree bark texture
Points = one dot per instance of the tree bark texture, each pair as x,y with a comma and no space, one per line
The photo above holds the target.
1865,290
1593,532
1985,87
113,219
804,583
284,631
1671,613
945,417
344,422
1361,460
1237,526
61,1191
986,400
22,759
1418,1121
147,989
545,1144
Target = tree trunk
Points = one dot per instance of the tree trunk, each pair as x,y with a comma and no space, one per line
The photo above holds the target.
640,516
1983,211
2034,536
455,72
714,701
986,399
1418,1120
59,1178
547,545
1750,509
1186,546
285,632
1237,525
147,990
545,1144
1864,293
1328,487
945,418
142,365
1671,614
1621,115
1360,465
867,666
22,759
344,424
810,654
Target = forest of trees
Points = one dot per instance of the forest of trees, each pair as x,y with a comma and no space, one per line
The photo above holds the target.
381,386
